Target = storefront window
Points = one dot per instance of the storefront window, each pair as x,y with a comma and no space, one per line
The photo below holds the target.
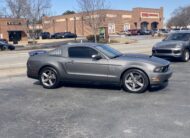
126,27
111,28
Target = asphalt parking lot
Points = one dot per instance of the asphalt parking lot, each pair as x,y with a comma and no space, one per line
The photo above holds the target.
95,111
28,110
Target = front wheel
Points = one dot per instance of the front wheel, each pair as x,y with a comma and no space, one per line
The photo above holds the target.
3,48
49,78
135,81
185,56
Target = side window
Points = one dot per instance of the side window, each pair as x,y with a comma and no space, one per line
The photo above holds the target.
56,52
81,52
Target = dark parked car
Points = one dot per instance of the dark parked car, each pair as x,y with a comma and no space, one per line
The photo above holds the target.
97,63
145,32
176,45
45,35
134,31
3,40
5,46
57,36
63,35
69,35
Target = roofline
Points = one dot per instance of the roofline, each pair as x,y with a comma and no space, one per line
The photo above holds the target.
104,10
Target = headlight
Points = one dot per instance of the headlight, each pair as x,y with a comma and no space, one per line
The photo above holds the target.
161,69
179,45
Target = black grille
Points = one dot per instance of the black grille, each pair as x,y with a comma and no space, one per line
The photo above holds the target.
163,51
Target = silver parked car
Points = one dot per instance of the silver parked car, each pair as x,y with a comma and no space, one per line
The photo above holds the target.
97,63
176,45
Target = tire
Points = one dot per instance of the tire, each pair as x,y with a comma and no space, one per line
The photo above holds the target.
3,48
135,81
185,56
49,78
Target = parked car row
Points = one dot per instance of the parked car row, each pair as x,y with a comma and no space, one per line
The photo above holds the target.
133,32
60,35
154,32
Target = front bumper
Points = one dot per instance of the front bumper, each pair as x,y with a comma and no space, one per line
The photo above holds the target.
167,53
160,78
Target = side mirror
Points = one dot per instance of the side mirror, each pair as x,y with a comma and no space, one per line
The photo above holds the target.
96,57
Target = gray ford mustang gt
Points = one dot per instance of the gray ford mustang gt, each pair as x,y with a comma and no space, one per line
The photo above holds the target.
91,62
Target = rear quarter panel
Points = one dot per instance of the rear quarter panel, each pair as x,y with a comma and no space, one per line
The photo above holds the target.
36,63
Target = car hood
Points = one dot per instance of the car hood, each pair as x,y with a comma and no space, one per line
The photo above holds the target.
144,58
169,44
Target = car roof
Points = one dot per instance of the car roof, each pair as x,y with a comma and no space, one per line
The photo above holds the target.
85,44
182,31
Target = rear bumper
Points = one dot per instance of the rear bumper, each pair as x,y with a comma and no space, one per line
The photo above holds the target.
32,74
160,78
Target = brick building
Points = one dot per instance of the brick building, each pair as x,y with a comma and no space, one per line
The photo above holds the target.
116,21
13,29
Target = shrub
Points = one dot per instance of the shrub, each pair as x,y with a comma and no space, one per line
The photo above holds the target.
91,38
114,41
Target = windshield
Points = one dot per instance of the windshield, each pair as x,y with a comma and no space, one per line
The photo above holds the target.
108,51
179,37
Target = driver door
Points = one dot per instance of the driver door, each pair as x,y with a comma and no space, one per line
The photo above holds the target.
81,65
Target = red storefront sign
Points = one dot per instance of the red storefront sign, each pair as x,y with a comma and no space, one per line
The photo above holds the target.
149,15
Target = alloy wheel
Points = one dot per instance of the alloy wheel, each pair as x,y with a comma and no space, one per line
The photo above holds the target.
134,81
48,78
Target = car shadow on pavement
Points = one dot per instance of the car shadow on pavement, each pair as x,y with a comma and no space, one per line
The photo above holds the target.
86,85
158,88
92,86
102,86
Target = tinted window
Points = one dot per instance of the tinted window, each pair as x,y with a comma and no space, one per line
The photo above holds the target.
81,52
179,37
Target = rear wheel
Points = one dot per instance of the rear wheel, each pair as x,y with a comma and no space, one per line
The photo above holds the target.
185,55
135,81
49,78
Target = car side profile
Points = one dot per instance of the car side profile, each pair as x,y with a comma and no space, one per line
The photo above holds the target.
5,46
97,63
176,45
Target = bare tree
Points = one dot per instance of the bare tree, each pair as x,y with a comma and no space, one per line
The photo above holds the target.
93,13
18,8
37,9
180,17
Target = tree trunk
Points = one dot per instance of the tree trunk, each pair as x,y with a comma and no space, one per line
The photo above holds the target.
95,38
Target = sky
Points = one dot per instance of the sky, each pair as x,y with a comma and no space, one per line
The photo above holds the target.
59,6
